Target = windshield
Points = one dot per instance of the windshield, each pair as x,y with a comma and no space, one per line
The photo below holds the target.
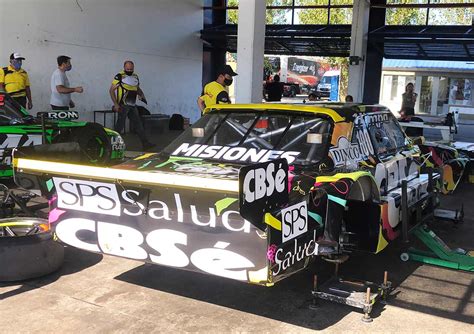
9,109
326,80
386,134
301,138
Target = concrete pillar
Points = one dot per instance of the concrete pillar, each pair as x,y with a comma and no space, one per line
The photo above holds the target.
358,53
434,96
374,56
418,80
250,51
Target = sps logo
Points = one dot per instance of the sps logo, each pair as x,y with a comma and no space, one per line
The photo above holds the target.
87,196
294,221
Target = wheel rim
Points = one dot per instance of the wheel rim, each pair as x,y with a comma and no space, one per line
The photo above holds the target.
95,149
23,227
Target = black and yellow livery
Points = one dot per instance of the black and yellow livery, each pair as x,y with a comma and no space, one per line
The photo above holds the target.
127,88
185,206
214,93
15,82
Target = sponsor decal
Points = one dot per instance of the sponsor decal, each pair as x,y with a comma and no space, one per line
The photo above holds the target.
301,250
161,246
262,187
117,143
365,144
13,140
233,154
65,114
376,119
104,198
294,221
88,196
345,152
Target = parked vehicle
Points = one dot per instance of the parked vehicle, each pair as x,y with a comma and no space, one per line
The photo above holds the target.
299,74
328,87
18,128
249,192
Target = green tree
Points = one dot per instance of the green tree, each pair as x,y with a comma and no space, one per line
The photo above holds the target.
437,16
336,16
273,16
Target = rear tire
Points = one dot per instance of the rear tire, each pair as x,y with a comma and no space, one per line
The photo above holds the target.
93,141
28,256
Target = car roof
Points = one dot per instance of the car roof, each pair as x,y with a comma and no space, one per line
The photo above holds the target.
338,112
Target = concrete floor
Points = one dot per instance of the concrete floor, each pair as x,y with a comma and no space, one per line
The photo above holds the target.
95,293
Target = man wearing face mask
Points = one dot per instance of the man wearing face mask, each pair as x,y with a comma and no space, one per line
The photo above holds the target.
124,91
14,80
216,92
60,90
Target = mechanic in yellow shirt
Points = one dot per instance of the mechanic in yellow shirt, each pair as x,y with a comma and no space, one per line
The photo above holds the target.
216,92
14,80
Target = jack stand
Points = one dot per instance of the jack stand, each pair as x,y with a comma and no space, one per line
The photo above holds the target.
454,216
359,294
440,254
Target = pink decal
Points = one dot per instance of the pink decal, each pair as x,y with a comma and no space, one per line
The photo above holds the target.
271,252
318,184
51,201
343,192
290,177
54,215
436,157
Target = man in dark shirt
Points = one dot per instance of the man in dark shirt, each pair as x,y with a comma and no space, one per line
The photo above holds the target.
274,90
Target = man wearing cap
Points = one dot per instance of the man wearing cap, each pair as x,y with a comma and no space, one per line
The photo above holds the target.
216,92
14,80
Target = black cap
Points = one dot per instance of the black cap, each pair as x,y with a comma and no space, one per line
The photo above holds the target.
227,70
16,55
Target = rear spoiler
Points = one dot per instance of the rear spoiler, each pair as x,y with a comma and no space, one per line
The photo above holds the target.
67,160
261,187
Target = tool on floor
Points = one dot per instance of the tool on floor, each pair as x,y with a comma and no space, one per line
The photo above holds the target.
356,293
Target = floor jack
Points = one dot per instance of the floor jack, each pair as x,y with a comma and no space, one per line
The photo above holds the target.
439,253
359,294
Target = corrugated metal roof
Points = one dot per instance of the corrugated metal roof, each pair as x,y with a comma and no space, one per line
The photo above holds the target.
428,64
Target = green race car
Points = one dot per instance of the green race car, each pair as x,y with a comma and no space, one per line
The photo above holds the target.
101,146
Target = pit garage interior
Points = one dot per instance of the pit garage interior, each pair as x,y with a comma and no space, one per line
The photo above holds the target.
177,47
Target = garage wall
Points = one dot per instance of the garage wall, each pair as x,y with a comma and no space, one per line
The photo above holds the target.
160,36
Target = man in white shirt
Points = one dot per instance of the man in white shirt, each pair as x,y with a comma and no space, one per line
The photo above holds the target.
60,90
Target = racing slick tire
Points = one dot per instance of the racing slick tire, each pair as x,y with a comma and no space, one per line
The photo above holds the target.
94,143
27,249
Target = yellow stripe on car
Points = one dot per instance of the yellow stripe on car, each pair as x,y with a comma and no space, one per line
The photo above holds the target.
112,175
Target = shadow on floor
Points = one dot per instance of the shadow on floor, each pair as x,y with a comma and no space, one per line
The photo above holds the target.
75,260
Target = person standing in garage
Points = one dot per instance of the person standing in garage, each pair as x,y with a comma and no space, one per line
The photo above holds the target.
14,80
408,101
60,90
274,90
216,92
124,91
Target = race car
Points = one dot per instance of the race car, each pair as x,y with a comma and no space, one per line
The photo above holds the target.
18,128
249,192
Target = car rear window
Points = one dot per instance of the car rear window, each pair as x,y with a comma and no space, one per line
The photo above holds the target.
270,130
